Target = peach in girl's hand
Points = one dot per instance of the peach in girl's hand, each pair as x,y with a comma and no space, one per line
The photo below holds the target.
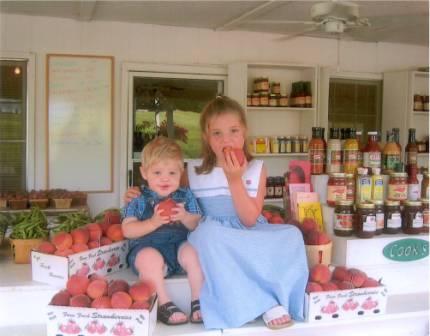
238,152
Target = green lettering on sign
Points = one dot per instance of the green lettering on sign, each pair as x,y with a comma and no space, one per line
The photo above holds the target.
408,249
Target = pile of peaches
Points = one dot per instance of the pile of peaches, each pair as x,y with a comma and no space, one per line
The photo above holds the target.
97,292
311,233
321,279
87,237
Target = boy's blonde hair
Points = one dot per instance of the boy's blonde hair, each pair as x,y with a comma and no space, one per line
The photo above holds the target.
218,106
161,148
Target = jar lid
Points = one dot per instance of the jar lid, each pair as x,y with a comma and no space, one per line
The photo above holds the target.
264,93
371,133
272,95
349,175
399,175
338,175
425,201
276,83
413,203
345,203
392,203
366,206
378,202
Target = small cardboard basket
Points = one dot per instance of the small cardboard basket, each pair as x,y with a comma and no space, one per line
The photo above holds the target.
41,203
21,249
318,254
62,203
90,321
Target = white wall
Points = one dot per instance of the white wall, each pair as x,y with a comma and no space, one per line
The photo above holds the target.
172,45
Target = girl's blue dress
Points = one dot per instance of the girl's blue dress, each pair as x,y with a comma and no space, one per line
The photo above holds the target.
247,270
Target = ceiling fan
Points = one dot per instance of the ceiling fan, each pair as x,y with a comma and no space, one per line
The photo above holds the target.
331,17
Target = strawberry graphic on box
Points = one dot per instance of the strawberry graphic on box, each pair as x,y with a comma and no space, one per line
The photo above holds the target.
84,270
369,303
98,264
113,260
350,304
94,327
70,328
120,330
331,308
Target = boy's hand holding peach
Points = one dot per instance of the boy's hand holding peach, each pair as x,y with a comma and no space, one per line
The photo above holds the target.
158,219
179,213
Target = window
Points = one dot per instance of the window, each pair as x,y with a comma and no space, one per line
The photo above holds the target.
13,125
355,103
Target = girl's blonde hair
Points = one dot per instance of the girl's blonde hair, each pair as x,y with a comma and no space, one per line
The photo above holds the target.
216,107
161,148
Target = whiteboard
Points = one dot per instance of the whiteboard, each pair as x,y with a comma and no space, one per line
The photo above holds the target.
79,122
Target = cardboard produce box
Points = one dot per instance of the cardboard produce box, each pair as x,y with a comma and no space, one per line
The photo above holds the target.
345,304
55,270
91,321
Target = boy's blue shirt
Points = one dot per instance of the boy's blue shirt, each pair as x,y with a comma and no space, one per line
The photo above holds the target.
142,207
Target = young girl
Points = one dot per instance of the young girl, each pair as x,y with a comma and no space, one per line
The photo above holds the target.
158,242
250,267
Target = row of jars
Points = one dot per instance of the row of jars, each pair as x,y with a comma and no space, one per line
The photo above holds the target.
421,102
275,187
279,144
368,219
365,187
266,99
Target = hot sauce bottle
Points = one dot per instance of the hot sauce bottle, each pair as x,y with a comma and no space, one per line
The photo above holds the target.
350,152
372,151
317,151
391,155
411,150
334,152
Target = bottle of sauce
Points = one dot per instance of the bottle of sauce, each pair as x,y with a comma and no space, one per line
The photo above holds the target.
363,186
413,184
391,155
316,152
350,152
365,223
358,135
377,185
350,187
396,134
411,150
372,151
334,152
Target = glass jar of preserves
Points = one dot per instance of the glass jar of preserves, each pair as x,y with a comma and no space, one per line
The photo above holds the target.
425,186
426,103
256,84
279,187
393,217
296,144
426,214
343,225
274,145
264,99
275,88
336,188
398,187
249,99
288,145
412,217
283,101
379,216
365,220
418,103
350,187
255,99
282,144
264,84
273,100
303,144
270,188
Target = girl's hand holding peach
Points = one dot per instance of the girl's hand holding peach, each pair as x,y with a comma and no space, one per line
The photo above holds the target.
231,165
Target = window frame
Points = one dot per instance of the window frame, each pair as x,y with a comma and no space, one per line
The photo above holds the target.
30,164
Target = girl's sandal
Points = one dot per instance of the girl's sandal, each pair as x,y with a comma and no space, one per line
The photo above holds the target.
195,307
165,312
274,313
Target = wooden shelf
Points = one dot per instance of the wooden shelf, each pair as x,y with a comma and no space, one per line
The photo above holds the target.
420,113
278,109
278,155
273,200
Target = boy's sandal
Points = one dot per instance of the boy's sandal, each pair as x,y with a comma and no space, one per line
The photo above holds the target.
275,313
165,312
195,306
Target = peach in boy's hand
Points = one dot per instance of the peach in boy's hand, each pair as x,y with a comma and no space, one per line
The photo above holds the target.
167,207
237,152
157,218
179,212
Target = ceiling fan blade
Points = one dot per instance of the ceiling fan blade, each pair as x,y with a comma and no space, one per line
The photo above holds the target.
279,22
301,33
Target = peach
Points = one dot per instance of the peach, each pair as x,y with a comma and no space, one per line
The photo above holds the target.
77,284
114,232
313,287
112,217
341,273
141,291
311,238
80,235
357,277
105,241
323,238
62,298
64,253
101,302
320,273
238,153
62,241
346,285
166,207
80,300
308,225
93,244
267,214
329,286
121,300
96,276
370,282
46,247
95,231
117,286
140,305
276,220
79,247
97,288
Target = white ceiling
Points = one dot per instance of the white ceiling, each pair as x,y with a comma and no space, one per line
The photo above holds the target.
391,21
